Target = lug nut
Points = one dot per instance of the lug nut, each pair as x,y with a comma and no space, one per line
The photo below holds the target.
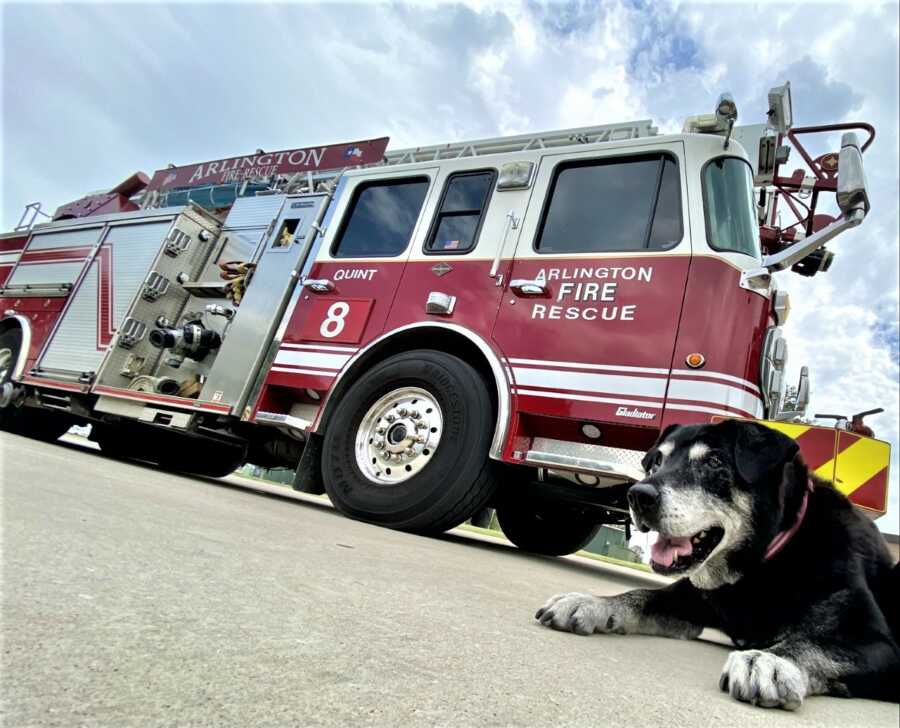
415,414
421,425
390,417
402,412
420,439
410,452
379,444
379,430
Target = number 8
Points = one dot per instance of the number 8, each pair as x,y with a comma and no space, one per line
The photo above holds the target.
335,319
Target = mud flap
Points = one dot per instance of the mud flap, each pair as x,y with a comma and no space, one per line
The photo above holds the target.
308,476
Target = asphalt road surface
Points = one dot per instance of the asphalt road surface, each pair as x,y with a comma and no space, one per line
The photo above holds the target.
132,597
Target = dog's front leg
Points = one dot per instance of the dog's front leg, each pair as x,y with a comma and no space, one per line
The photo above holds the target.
765,678
674,611
844,648
782,675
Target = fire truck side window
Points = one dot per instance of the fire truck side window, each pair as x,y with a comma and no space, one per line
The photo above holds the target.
381,218
458,221
611,205
730,208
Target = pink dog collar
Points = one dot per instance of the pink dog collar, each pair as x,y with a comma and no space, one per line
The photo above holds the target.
780,541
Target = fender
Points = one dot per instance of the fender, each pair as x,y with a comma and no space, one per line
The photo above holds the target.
497,369
20,322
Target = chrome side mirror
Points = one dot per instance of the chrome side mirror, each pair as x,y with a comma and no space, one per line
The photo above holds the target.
852,199
796,400
851,183
803,391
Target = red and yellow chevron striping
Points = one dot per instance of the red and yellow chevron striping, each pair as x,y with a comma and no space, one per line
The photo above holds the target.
857,465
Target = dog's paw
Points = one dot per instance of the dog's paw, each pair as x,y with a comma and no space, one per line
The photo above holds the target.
574,612
764,679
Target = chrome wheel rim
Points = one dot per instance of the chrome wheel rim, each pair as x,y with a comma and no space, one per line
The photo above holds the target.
6,357
398,435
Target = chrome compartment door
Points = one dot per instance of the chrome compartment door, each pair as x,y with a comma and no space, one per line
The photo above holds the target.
248,340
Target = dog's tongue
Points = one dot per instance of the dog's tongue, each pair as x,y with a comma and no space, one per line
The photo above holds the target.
664,551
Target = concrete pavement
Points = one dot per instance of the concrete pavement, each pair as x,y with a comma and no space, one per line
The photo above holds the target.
132,597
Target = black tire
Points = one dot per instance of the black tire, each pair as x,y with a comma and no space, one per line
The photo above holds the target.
114,442
10,344
458,479
209,459
27,421
172,452
41,424
545,528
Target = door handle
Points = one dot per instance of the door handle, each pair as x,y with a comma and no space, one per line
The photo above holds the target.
318,285
524,287
440,303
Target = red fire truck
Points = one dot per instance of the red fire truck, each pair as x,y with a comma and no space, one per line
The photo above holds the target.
426,332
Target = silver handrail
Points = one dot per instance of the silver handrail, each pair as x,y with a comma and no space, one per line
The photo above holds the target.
512,223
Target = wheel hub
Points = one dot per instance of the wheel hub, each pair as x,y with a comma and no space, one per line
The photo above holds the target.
398,435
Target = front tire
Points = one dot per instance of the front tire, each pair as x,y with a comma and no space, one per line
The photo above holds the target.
408,444
545,528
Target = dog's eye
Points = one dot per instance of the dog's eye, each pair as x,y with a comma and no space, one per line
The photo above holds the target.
657,462
715,461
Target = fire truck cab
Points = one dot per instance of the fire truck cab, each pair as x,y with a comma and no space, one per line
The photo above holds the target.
508,322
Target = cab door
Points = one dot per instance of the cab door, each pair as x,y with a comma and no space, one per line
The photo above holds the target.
457,264
348,289
591,307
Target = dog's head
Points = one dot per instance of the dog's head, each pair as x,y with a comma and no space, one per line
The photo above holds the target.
717,495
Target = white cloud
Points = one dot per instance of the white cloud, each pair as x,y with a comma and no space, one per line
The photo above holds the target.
91,93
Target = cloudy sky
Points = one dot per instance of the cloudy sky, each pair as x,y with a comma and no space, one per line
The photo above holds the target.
92,93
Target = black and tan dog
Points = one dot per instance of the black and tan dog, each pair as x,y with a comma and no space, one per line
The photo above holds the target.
777,559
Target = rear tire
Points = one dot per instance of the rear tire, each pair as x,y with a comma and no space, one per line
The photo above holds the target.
40,424
117,442
209,459
545,528
171,451
10,344
432,416
27,421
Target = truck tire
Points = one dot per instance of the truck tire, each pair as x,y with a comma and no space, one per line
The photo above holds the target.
170,451
118,441
211,460
28,421
10,343
408,444
545,528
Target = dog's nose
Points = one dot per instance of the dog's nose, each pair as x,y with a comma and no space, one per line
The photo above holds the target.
643,498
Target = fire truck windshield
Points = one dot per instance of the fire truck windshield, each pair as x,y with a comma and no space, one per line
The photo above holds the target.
730,209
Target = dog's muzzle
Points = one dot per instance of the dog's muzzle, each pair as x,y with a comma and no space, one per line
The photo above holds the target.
643,498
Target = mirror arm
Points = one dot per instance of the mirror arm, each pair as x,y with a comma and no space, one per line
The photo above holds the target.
798,251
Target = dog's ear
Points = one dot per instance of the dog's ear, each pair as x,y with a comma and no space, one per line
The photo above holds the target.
759,450
651,453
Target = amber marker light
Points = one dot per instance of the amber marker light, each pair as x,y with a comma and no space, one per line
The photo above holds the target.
695,360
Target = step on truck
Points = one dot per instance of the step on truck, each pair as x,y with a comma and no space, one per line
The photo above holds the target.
424,333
